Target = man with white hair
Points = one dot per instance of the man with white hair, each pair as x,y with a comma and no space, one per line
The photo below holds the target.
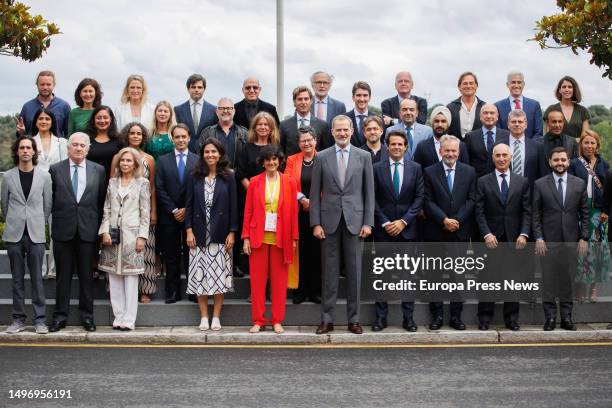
325,107
391,106
516,83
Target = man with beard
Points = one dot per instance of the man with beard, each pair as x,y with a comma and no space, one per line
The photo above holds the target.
373,129
251,105
415,132
556,138
325,107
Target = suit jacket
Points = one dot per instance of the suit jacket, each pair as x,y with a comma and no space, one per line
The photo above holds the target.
390,207
532,109
334,108
425,153
548,144
289,139
240,115
170,192
560,223
440,203
601,170
420,133
355,201
391,107
480,158
72,218
509,219
287,229
455,125
356,139
207,118
532,162
19,212
223,212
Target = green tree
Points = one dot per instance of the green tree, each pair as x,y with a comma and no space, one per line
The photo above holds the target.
604,130
22,34
599,113
582,25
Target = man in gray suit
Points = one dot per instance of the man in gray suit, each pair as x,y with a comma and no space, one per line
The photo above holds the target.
26,205
78,199
325,107
560,215
415,132
342,214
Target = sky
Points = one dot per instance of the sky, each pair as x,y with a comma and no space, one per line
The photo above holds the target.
230,40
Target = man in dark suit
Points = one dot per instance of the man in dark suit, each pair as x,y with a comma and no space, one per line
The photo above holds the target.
556,138
560,215
171,176
398,189
427,152
480,142
450,188
373,129
289,137
78,198
503,214
525,151
196,113
361,98
391,106
533,112
251,105
325,107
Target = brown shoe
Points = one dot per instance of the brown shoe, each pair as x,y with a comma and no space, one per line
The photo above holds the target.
355,328
325,328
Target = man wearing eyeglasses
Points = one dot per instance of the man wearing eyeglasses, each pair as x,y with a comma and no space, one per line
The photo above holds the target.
251,105
325,107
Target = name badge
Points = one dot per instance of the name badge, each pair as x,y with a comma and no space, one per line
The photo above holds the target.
270,222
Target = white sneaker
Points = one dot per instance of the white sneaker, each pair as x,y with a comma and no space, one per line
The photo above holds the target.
215,324
15,328
204,324
41,328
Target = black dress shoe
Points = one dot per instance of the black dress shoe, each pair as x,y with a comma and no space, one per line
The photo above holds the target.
298,298
116,327
549,325
238,273
57,326
409,325
436,323
379,325
567,324
192,298
89,325
483,326
457,324
325,328
514,326
355,328
171,297
315,299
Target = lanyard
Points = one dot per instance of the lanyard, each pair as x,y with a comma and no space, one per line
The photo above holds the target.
271,193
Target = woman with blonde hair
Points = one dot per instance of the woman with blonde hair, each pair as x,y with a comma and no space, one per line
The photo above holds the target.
134,106
163,120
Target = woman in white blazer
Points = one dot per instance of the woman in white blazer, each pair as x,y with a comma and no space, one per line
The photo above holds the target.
134,106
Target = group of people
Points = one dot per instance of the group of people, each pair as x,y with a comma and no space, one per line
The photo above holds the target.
198,187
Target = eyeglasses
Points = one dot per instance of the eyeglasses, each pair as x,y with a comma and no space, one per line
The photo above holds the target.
251,87
225,108
322,83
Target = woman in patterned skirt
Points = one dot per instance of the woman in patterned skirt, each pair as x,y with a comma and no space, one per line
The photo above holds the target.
211,222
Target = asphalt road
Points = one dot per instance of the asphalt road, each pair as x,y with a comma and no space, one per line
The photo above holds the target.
253,377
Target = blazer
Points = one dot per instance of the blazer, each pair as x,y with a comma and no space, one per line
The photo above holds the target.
455,125
170,192
441,203
425,153
390,207
123,115
19,212
547,144
556,223
601,170
532,110
509,219
223,212
533,166
480,159
72,218
208,117
287,229
293,168
355,201
356,139
57,151
289,134
241,118
391,107
420,133
240,137
334,108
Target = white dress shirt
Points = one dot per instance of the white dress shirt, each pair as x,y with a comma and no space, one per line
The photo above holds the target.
467,117
305,119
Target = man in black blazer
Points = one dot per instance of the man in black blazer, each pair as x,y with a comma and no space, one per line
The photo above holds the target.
373,129
450,188
251,105
78,199
526,152
480,142
556,138
361,98
503,214
289,137
391,106
560,215
172,174
398,189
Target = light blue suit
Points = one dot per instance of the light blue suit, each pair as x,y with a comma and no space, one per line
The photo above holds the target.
420,133
532,109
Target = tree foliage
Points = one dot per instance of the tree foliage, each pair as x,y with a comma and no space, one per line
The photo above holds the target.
582,25
22,34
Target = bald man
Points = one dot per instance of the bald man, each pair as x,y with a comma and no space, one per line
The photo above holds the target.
391,106
251,105
480,142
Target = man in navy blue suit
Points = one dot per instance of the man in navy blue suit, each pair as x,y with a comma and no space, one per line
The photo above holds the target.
526,153
391,106
480,142
398,187
196,113
361,98
325,107
533,112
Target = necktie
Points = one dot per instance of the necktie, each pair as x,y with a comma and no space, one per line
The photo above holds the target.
194,115
360,124
75,179
449,179
517,160
560,190
504,188
517,104
320,110
396,179
410,139
341,168
181,167
302,122
489,141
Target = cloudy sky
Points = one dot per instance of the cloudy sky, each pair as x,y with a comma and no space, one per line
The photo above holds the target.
229,40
